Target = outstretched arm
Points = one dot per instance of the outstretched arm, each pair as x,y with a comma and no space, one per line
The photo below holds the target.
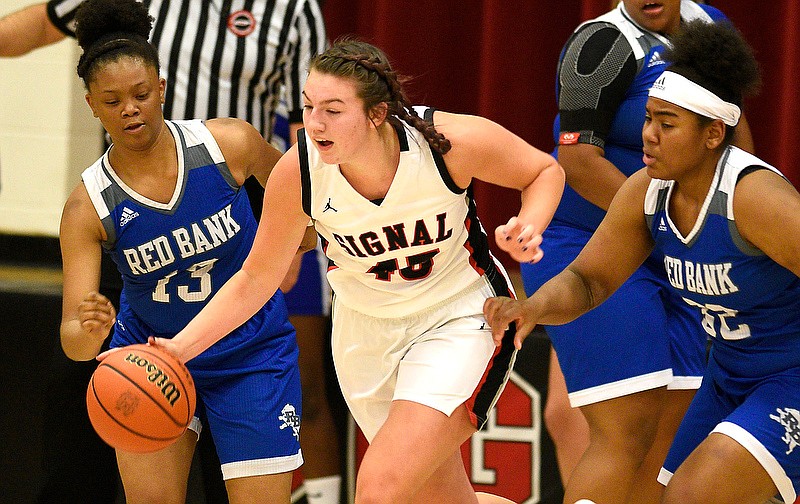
619,245
280,232
27,29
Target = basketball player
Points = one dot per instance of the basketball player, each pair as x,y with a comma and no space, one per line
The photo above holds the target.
631,383
165,202
241,59
389,193
725,224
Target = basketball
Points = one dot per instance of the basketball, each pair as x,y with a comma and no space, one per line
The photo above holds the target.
140,399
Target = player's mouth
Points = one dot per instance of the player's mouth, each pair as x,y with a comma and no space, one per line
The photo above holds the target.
134,127
653,8
648,159
323,144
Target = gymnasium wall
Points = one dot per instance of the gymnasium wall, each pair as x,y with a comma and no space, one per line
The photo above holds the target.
497,58
490,57
47,135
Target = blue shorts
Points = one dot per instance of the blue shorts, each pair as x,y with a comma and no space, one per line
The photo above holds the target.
642,337
248,391
761,414
311,295
253,416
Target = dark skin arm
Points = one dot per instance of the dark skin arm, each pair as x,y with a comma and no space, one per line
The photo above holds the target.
771,225
619,245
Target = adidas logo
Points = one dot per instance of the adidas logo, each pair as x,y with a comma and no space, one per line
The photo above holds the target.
127,216
662,226
655,59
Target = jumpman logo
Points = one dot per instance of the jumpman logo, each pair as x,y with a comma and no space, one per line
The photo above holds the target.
328,207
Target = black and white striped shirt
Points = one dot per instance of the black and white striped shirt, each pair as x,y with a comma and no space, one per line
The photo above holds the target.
228,58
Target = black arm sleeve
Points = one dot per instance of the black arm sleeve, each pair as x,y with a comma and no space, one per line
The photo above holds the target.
597,68
62,14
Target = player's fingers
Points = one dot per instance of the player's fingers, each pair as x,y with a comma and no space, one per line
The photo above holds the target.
166,345
524,329
508,232
103,355
493,309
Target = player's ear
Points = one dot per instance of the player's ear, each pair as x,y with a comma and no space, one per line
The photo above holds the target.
89,102
378,113
162,87
715,134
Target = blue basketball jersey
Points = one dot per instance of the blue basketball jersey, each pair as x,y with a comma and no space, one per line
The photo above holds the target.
621,138
174,256
750,304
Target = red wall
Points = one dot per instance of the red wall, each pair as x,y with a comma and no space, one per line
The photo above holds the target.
497,58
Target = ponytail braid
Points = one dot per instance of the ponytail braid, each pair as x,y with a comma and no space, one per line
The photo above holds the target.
378,82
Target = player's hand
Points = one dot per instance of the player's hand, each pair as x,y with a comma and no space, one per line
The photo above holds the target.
500,312
96,315
166,345
520,240
103,355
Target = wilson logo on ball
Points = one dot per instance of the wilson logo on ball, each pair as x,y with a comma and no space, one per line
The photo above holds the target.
157,377
140,399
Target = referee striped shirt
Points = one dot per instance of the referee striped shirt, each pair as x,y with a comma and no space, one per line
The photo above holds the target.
228,58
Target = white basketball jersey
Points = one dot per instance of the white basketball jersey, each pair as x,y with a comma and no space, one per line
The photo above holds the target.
420,245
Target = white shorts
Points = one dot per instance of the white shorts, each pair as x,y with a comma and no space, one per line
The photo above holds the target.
441,357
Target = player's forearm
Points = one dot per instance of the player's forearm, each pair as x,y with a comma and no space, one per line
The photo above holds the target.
562,299
27,29
540,199
78,344
238,300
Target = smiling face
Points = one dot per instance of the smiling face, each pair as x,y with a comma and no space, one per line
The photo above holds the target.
126,95
334,117
660,16
677,141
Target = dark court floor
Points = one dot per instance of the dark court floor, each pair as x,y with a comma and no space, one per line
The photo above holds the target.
32,364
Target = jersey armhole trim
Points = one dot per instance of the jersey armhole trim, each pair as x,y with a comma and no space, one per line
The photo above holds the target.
305,171
441,166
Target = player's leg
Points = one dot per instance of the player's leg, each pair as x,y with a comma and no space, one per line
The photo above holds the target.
566,425
319,436
722,470
415,444
621,433
749,455
160,476
254,414
688,350
266,489
647,489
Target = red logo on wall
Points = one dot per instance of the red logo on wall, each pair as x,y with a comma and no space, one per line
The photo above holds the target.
242,23
568,138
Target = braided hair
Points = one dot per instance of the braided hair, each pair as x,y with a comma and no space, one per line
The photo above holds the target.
110,29
376,83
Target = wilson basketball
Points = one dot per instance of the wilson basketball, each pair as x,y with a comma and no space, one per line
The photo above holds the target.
140,399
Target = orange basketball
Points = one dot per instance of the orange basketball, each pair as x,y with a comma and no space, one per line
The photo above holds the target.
140,399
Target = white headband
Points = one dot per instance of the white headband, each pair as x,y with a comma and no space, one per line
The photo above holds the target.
680,91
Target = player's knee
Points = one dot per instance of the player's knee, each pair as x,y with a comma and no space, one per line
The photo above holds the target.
680,492
564,422
154,493
375,488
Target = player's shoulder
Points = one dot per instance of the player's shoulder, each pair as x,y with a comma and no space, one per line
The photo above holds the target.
596,39
714,13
